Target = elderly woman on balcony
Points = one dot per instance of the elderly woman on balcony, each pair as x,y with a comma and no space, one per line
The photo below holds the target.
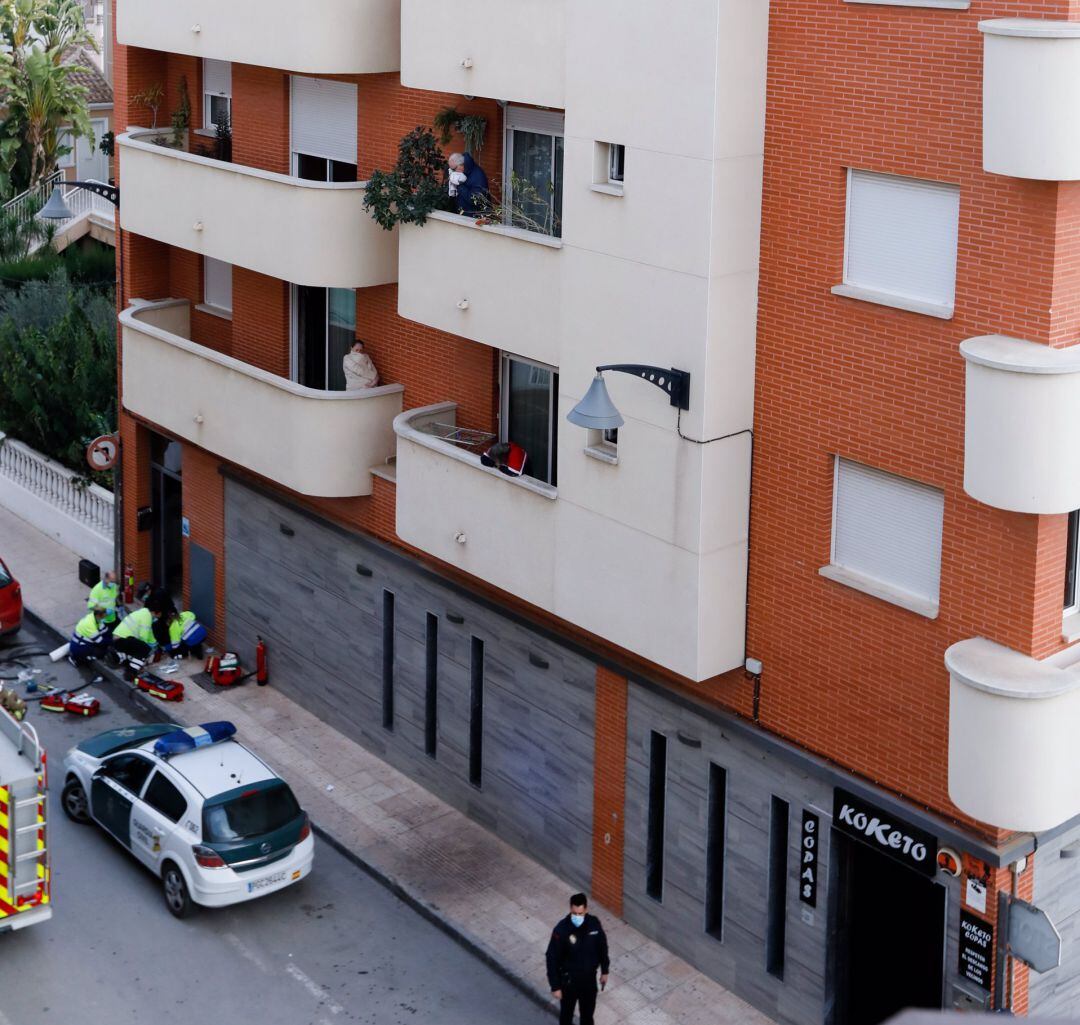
469,184
359,369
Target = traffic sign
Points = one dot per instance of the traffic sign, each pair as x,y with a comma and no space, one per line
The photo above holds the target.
1032,937
101,453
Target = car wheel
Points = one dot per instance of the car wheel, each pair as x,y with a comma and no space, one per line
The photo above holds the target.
73,798
177,898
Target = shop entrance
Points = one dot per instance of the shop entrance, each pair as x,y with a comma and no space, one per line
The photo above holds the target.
166,492
890,952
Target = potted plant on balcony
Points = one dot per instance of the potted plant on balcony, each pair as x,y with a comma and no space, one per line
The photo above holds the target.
150,98
181,117
472,128
414,188
223,138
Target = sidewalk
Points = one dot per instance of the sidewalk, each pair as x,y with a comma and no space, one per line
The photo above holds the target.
490,897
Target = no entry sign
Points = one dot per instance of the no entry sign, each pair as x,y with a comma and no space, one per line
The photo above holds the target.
101,453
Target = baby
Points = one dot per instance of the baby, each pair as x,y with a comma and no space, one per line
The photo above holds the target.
456,178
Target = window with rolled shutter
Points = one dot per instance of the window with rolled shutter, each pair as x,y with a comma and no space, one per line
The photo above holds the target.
217,283
887,529
323,118
901,236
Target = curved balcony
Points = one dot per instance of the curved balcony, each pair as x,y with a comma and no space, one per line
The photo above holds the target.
313,442
1021,444
503,49
309,233
1013,758
1031,92
478,293
332,37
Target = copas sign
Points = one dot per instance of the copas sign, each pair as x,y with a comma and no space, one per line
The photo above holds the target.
885,832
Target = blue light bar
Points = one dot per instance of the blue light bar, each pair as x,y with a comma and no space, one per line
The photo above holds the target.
194,736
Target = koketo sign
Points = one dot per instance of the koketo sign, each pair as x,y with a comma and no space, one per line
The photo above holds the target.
885,832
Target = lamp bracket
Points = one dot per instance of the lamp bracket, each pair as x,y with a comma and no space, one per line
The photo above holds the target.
675,382
106,191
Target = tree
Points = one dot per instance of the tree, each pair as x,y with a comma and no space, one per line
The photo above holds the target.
40,92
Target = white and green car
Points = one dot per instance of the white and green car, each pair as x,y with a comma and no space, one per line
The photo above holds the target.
195,806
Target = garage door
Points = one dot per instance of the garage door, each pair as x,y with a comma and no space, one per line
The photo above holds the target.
349,623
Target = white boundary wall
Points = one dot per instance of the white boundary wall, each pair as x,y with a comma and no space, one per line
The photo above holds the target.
54,499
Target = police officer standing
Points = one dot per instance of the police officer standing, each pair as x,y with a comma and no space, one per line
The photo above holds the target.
578,947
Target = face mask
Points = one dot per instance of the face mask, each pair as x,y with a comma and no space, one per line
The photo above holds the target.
578,920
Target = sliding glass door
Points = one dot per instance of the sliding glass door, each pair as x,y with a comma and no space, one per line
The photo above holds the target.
530,398
324,329
534,164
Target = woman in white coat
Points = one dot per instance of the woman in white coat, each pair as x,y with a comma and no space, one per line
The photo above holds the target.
359,370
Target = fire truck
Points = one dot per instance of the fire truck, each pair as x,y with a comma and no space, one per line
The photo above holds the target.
24,852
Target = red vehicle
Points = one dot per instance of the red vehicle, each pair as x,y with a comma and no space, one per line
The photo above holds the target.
11,607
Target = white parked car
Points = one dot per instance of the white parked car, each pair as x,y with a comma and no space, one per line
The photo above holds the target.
195,806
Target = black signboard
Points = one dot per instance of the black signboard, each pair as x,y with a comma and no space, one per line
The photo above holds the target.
809,866
976,949
885,832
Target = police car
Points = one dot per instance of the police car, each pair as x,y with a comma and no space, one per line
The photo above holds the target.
195,806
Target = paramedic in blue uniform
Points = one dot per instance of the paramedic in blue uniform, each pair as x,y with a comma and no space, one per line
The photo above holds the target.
577,949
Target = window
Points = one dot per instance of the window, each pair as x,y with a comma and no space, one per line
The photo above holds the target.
534,160
162,796
900,245
324,330
714,852
217,284
530,396
654,838
887,536
388,660
130,771
1072,555
217,93
256,812
476,713
775,927
323,128
616,163
65,141
431,686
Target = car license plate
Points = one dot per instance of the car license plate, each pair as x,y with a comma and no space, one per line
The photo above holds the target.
270,880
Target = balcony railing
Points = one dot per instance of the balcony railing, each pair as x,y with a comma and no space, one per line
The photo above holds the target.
1021,445
306,232
1013,758
495,48
478,293
314,442
332,37
1031,92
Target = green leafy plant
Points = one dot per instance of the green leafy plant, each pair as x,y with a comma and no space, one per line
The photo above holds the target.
21,230
223,138
471,127
414,188
108,144
524,206
181,117
151,98
57,366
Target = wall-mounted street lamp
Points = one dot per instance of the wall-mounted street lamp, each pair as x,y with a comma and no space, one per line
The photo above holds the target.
58,210
596,410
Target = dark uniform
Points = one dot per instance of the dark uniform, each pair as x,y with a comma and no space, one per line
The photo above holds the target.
573,955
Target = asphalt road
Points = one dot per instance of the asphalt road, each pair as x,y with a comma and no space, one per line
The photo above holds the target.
335,948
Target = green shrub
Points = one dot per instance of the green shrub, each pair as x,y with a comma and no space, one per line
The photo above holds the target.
57,366
93,266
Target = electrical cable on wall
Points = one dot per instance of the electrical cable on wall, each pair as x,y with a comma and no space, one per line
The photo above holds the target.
709,441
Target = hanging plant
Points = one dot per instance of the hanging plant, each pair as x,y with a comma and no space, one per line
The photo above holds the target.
471,127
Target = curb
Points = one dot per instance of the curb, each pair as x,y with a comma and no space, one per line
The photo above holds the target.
430,912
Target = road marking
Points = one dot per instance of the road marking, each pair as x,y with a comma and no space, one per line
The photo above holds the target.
319,992
245,951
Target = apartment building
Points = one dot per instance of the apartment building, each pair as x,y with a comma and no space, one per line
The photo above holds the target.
813,741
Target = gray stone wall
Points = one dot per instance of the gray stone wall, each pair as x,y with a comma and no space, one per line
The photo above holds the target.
1057,891
300,589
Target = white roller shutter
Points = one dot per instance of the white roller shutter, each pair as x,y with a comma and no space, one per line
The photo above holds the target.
529,119
217,283
217,77
901,236
888,528
323,118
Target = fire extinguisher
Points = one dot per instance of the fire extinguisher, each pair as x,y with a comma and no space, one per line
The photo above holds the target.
129,584
262,672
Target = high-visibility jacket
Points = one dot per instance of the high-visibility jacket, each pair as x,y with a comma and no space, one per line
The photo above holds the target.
184,627
105,595
138,624
88,630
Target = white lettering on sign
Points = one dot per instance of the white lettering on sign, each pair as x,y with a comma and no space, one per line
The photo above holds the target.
808,875
873,828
